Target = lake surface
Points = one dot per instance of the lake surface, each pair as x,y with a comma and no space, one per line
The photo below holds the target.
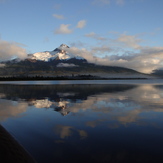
85,122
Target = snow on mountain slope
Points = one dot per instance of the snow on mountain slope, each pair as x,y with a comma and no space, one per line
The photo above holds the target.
58,53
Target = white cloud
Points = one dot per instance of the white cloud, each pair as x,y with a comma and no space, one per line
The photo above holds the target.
58,16
10,50
95,36
81,24
66,65
63,29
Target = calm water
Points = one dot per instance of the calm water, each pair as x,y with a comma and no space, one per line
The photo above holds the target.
86,122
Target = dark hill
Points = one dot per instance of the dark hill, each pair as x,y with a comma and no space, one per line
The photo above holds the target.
59,68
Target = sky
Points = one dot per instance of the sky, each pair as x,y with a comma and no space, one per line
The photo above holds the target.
126,33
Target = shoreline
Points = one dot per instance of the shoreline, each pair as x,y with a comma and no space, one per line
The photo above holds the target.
68,78
81,82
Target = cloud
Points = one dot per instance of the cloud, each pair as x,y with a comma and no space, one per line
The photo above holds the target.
43,103
9,50
83,134
146,60
130,40
102,49
81,24
9,109
117,107
58,16
120,108
77,44
81,52
66,65
116,53
63,29
68,131
63,131
95,36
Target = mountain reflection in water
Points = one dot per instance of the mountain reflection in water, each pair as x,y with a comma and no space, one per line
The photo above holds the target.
93,123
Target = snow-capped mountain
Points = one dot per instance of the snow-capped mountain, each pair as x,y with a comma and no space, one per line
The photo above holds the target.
60,53
61,62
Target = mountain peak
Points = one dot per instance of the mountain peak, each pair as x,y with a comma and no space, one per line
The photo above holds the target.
60,53
63,46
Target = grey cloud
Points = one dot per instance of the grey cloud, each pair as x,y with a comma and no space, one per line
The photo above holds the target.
152,50
121,57
102,49
10,50
77,44
124,51
129,41
95,36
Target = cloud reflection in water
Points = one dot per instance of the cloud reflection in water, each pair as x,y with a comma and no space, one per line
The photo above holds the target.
109,123
123,104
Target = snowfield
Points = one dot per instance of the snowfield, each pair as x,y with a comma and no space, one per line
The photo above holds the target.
58,53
